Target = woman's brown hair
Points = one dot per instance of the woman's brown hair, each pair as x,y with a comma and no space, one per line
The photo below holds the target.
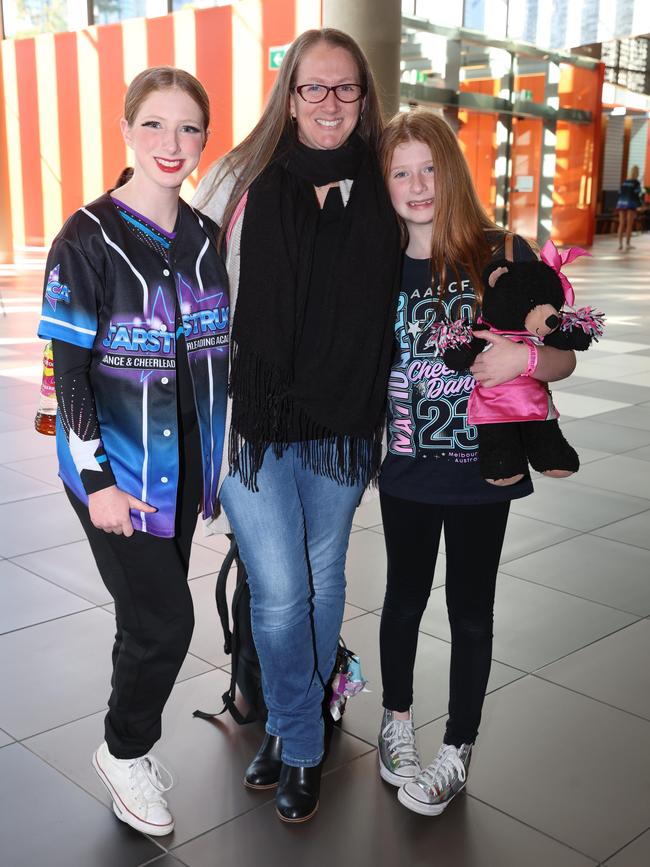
460,230
249,158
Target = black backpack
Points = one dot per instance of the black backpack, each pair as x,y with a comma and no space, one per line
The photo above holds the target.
238,642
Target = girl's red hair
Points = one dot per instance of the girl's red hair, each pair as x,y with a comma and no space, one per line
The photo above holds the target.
460,236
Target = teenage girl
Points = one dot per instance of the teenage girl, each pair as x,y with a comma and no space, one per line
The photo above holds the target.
629,201
430,481
136,305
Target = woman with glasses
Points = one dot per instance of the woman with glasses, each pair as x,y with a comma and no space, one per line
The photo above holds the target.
312,250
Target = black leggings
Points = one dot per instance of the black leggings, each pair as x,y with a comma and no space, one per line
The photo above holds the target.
147,577
473,541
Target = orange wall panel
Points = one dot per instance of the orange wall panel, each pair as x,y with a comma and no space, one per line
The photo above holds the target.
578,153
65,46
111,96
214,71
29,140
6,232
91,68
535,83
477,136
160,41
278,19
526,160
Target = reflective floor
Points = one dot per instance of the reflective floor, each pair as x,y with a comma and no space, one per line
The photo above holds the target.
561,772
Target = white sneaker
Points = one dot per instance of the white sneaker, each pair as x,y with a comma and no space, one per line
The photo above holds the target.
398,753
432,790
136,787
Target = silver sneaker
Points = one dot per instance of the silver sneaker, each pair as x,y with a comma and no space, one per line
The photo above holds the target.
432,790
398,753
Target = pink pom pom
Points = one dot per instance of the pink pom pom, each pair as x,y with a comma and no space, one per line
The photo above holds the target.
587,319
449,335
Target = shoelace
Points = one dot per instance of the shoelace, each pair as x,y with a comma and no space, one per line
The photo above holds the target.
441,769
147,773
400,737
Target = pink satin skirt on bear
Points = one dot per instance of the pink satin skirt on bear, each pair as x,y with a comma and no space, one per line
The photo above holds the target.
521,399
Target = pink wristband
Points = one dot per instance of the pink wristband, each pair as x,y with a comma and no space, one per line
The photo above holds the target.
533,358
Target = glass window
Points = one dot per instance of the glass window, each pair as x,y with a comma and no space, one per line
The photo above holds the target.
198,4
447,14
110,11
28,17
488,16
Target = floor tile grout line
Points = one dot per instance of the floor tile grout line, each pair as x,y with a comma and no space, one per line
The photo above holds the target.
580,531
158,858
47,548
91,607
81,788
575,595
44,495
24,738
566,845
261,806
575,535
589,697
610,539
10,465
371,744
524,671
269,798
589,487
19,500
575,691
636,614
629,843
532,671
590,643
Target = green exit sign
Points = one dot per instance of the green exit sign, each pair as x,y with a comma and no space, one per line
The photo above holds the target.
276,55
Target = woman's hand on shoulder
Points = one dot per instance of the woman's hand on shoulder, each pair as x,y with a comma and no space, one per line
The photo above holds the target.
110,510
504,361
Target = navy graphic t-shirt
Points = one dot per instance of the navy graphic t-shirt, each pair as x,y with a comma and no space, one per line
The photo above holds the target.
432,450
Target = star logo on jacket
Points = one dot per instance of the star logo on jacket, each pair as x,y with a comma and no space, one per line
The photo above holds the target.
56,291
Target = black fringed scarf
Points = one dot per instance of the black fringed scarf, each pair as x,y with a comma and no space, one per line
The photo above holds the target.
327,382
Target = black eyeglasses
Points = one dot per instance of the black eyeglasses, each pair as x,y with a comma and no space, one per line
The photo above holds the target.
320,92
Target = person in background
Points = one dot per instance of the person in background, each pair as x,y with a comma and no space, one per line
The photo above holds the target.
133,279
430,480
313,259
629,201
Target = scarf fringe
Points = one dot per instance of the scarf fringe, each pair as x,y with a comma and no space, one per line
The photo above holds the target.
269,409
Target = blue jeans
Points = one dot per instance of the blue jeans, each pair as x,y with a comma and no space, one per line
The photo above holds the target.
293,537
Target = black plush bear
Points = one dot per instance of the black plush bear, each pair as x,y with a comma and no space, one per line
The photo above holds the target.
517,421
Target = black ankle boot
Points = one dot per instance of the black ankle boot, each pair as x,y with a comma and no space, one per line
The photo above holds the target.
264,771
298,790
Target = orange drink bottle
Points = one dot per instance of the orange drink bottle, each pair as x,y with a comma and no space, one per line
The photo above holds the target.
45,421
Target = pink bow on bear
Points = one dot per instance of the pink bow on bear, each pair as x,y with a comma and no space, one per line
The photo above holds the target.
552,256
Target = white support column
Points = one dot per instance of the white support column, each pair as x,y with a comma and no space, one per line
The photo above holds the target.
376,25
547,171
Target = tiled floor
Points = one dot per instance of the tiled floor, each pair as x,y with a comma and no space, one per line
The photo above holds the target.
561,773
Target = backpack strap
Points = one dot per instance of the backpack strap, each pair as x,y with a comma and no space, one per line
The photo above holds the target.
220,594
231,642
229,695
508,247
